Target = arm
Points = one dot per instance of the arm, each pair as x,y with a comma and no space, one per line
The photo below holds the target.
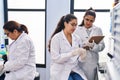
98,47
55,51
65,56
19,57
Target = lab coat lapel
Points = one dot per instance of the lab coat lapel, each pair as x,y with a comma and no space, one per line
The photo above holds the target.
93,31
74,41
85,33
12,45
90,33
65,39
84,36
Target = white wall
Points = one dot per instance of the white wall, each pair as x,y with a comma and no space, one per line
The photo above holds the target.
1,17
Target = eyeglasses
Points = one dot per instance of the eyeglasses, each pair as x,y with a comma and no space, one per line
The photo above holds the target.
89,20
7,34
73,24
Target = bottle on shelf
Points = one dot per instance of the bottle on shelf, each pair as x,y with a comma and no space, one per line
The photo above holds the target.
2,49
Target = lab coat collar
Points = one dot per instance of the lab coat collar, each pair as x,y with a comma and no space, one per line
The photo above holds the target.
17,40
21,35
89,28
64,38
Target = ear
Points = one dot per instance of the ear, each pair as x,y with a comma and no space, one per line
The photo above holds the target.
65,23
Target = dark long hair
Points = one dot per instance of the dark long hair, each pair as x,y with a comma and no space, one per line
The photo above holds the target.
13,25
60,26
91,12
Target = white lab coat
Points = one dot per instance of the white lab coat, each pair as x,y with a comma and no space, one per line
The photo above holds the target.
21,59
62,62
91,61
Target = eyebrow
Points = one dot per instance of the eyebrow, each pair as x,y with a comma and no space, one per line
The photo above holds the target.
89,20
73,24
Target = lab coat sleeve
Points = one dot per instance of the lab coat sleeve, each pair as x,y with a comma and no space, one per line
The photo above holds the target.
99,47
55,51
20,58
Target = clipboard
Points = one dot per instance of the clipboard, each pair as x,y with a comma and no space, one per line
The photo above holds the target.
96,39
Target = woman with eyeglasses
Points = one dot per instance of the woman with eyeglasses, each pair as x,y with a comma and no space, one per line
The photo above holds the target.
20,64
86,30
66,51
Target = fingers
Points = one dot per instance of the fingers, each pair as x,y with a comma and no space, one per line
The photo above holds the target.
93,41
75,52
78,51
83,56
82,51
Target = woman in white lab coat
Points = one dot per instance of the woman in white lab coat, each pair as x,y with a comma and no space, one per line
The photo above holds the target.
65,51
85,31
21,53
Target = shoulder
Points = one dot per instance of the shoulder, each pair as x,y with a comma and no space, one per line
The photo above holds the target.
25,39
76,36
78,30
96,27
57,36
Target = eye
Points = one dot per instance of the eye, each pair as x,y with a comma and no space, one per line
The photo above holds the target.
89,20
73,24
